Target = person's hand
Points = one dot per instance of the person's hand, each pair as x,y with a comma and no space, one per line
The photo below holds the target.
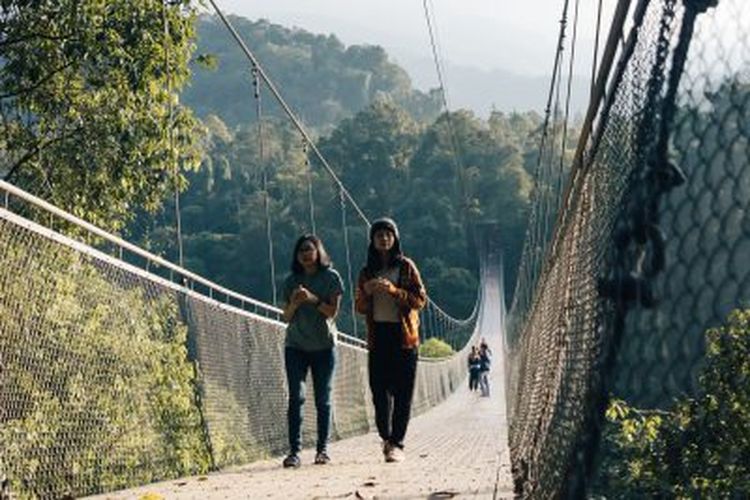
370,286
306,295
300,294
385,285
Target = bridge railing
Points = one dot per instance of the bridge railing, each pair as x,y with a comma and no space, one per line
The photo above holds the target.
148,261
645,254
176,273
114,375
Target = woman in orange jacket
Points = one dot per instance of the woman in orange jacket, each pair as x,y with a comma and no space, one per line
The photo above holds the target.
390,294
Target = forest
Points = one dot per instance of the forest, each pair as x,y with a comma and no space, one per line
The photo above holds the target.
112,142
107,109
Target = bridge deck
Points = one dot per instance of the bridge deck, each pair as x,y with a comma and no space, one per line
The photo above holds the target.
458,449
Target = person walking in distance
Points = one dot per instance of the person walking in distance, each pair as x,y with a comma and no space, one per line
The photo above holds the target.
474,367
312,295
390,294
485,359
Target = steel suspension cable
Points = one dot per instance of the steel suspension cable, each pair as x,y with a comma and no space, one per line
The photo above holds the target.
596,49
170,135
443,93
308,170
537,217
287,110
587,148
264,173
348,261
549,165
567,105
452,135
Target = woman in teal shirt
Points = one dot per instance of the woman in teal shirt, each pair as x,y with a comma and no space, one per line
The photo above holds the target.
312,296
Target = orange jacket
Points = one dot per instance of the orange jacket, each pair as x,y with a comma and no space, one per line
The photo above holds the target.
410,296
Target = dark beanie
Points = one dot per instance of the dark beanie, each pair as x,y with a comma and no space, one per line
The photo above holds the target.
384,223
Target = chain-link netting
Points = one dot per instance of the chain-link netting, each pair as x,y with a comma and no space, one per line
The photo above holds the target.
96,391
113,376
652,245
705,221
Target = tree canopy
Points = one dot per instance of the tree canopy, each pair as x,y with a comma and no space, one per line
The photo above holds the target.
391,165
88,102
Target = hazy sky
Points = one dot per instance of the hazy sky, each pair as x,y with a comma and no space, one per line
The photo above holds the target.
513,35
480,41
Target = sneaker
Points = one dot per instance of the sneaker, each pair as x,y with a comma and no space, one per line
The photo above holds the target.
291,461
387,446
393,453
322,458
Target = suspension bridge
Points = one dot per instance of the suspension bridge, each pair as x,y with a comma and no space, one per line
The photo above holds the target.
120,369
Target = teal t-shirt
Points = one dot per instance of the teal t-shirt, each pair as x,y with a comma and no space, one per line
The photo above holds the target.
309,329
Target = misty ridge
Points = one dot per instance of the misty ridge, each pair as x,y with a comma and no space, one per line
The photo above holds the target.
483,91
326,81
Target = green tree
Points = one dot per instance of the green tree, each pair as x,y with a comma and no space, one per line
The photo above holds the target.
372,152
467,173
86,90
98,391
699,449
390,164
435,348
224,224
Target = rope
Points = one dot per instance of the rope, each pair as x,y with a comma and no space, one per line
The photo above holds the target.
170,132
264,169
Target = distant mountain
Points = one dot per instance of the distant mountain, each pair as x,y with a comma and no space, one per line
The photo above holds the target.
323,80
484,90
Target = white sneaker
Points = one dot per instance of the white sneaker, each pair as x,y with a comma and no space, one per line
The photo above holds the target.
393,454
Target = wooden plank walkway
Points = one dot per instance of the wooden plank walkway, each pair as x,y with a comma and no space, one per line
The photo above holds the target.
456,450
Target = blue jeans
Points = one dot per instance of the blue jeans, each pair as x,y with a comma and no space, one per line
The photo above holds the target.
322,365
484,382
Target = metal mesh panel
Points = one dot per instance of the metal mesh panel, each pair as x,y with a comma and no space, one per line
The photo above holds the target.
707,271
111,376
95,391
558,327
599,312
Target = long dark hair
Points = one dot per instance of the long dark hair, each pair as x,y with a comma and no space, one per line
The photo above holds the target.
374,262
324,260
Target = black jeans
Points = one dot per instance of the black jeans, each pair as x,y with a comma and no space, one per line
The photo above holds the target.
392,372
321,363
473,380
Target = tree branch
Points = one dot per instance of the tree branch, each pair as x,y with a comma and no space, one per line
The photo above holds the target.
37,84
7,42
35,150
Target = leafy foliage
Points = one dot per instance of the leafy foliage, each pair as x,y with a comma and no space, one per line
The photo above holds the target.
85,93
699,449
435,348
97,391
